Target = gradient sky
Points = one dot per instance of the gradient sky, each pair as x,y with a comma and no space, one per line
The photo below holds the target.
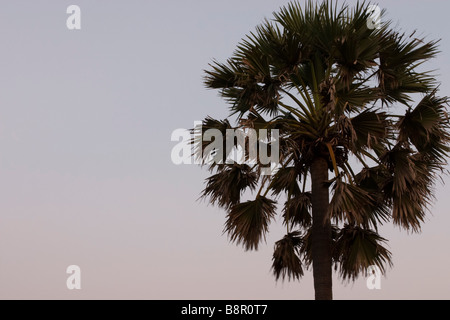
85,171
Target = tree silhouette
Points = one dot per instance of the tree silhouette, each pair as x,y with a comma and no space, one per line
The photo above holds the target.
346,98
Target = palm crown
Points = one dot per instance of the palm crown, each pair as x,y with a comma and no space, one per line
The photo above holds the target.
344,99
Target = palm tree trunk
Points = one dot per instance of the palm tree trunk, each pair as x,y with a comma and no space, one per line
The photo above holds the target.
321,231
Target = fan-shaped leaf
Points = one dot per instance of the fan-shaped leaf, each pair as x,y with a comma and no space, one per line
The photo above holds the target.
354,204
248,222
427,127
356,249
225,187
285,180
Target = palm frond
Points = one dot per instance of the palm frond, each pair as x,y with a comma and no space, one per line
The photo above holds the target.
248,222
355,205
306,247
409,186
427,127
286,261
356,249
285,180
201,143
371,128
297,210
399,57
226,186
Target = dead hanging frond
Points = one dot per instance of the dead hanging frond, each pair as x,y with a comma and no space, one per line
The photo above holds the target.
297,210
286,262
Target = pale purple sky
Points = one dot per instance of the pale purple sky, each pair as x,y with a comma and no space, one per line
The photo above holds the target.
85,171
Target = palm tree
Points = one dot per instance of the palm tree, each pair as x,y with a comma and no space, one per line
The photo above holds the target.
344,98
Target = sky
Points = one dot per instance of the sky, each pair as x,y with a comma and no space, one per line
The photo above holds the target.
86,176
